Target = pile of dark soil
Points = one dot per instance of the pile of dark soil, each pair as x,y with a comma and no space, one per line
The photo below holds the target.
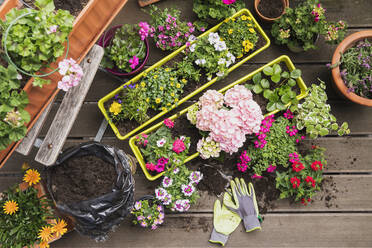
271,8
82,178
74,6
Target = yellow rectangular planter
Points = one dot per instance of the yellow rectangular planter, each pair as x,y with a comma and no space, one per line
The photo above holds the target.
282,58
166,59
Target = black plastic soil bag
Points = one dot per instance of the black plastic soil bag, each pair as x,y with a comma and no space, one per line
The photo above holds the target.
96,217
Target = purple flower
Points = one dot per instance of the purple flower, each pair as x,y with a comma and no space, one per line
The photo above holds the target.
187,190
195,177
138,205
160,193
166,200
167,181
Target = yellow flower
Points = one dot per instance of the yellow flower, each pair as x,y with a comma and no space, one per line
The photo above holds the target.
178,85
164,109
157,100
244,17
184,81
244,43
171,78
155,76
172,84
136,86
251,30
249,18
44,244
249,24
241,55
246,49
161,88
233,19
168,104
143,84
10,207
115,108
176,100
31,177
172,94
147,99
230,31
167,69
45,233
226,20
59,227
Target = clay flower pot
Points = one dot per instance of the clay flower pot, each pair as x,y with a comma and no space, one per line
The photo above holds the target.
88,27
348,42
105,41
285,3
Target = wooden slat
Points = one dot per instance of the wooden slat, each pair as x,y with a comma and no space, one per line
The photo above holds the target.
27,143
287,230
69,110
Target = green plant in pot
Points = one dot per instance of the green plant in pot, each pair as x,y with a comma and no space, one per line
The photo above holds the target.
217,9
299,28
34,38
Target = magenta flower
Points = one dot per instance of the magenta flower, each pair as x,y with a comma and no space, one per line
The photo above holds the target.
163,161
187,190
169,123
228,1
133,62
150,166
178,146
255,176
167,181
159,168
271,168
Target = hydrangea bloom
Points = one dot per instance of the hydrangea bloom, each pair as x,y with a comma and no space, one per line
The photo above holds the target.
250,116
237,94
207,148
71,72
211,97
205,118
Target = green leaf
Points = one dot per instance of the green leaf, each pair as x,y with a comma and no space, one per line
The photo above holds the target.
256,78
270,106
291,82
268,71
40,82
285,99
323,131
296,73
257,89
275,78
267,93
334,126
280,106
265,83
285,74
277,69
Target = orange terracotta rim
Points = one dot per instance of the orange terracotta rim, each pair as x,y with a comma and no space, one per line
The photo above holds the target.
267,19
348,42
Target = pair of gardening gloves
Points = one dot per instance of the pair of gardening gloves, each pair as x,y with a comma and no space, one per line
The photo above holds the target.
239,204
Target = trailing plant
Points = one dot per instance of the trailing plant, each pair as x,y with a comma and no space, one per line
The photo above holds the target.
169,31
300,26
38,39
161,151
217,9
356,69
178,188
211,54
283,92
314,114
239,34
148,213
303,179
23,221
129,105
13,116
127,49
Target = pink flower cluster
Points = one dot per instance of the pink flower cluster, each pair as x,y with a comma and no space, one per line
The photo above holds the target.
244,160
317,12
265,128
159,167
291,130
229,127
178,146
71,72
133,62
293,157
142,139
145,30
288,115
168,123
228,1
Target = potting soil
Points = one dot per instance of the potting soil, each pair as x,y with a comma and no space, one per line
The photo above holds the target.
270,8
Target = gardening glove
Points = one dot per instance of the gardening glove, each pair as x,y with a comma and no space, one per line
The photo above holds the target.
244,204
224,222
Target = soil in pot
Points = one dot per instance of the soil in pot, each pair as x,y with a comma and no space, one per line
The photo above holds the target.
74,6
82,178
271,8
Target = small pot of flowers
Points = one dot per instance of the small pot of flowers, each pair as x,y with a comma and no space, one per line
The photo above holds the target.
148,212
351,67
27,218
270,10
126,48
299,28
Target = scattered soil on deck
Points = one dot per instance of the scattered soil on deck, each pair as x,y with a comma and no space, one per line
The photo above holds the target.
82,178
328,192
271,8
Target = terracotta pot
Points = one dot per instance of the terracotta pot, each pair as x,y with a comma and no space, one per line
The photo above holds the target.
105,41
267,19
348,42
144,3
88,27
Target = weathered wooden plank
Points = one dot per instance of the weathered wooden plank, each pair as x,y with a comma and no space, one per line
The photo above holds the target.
69,110
27,143
8,181
278,230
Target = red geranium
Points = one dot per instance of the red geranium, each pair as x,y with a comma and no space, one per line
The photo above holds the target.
297,166
316,165
309,179
295,182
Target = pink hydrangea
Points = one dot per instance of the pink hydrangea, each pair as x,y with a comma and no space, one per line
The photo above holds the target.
71,72
178,146
205,117
250,116
211,97
237,94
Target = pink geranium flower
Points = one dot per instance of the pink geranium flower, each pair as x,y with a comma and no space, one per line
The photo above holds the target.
228,1
169,123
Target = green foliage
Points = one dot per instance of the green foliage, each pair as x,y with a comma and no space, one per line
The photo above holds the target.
277,149
153,151
148,213
305,190
31,43
355,65
300,26
283,83
314,114
163,88
239,35
185,68
21,228
125,44
133,106
12,113
40,82
216,9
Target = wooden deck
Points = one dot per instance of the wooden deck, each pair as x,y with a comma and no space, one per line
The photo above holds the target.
345,221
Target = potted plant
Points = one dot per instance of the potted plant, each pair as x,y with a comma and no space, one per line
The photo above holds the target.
148,212
351,67
82,37
27,218
300,27
270,10
126,49
216,9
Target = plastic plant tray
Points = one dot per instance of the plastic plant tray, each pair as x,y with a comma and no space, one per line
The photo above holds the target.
103,100
283,58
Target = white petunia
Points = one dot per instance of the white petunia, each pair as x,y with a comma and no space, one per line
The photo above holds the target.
220,74
222,61
213,38
192,47
220,46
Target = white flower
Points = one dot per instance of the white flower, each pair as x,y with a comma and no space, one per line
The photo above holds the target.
220,46
176,170
192,47
209,78
221,61
167,199
19,76
213,38
167,181
187,190
200,61
220,74
231,57
160,193
160,143
192,38
182,138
